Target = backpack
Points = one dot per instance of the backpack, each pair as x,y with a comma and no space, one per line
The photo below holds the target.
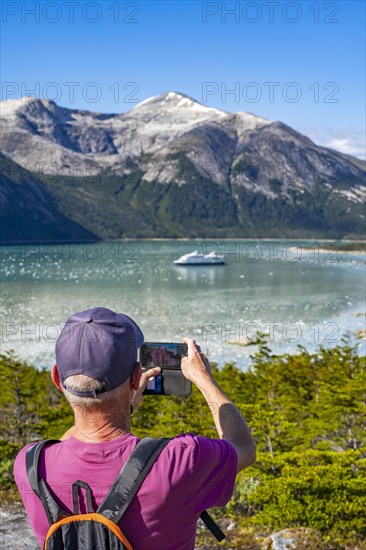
98,530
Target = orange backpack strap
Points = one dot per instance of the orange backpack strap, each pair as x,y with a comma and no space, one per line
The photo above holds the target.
53,511
130,477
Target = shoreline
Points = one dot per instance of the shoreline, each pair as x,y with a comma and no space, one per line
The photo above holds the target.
356,252
315,240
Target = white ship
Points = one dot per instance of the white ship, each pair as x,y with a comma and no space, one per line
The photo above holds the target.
195,258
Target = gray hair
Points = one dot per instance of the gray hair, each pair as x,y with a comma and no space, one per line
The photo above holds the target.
82,382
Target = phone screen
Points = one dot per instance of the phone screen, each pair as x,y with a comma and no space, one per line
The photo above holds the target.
161,354
167,356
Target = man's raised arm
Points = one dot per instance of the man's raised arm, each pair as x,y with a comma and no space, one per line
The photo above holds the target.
229,421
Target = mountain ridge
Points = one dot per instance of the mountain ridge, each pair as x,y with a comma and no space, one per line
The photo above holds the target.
183,169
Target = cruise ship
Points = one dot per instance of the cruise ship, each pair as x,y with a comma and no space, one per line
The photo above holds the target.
195,258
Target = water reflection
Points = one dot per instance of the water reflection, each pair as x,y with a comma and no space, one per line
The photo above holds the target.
200,274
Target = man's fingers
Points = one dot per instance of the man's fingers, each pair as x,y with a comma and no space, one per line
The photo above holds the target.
192,348
193,351
150,373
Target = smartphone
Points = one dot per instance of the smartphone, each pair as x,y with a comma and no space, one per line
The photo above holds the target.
167,356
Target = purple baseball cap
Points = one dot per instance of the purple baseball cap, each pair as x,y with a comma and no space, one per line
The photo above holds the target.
101,344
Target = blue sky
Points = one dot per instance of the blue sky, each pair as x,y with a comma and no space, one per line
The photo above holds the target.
300,62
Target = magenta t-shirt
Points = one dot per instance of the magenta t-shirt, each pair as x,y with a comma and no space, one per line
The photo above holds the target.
192,473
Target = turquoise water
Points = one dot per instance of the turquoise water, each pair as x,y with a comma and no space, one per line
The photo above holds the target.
297,296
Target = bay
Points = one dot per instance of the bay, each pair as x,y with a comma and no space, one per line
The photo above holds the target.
296,295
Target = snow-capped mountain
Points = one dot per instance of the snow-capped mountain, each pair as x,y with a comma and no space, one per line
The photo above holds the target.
173,144
40,132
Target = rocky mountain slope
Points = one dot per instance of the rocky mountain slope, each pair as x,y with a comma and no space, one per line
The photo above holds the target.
28,212
172,167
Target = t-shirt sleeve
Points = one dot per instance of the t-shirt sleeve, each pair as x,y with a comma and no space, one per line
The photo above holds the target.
213,467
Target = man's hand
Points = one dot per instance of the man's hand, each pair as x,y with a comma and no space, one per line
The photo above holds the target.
195,366
138,397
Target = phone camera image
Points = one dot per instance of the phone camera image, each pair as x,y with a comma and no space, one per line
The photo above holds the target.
167,356
162,354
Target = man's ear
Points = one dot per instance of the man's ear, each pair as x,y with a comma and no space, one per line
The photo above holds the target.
136,375
56,377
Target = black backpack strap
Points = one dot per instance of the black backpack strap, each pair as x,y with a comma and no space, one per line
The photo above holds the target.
75,496
39,486
131,477
212,526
